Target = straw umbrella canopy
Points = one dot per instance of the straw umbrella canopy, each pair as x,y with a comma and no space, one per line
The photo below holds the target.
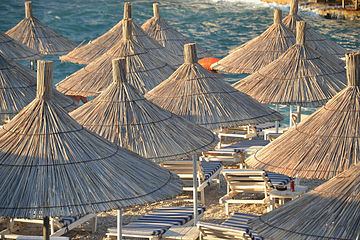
123,116
18,88
168,37
36,35
260,51
316,40
16,51
301,76
205,99
330,211
323,145
43,150
94,49
144,70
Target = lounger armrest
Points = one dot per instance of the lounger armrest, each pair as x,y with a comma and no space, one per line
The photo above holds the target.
228,196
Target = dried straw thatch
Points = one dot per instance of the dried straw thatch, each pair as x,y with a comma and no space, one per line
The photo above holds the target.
316,40
260,51
123,116
330,211
205,99
94,49
52,166
36,35
18,88
324,144
168,37
144,70
14,50
301,76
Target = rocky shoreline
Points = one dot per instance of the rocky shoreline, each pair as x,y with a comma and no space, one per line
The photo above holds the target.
331,10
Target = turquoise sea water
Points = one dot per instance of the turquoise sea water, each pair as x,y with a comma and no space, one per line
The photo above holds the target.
219,25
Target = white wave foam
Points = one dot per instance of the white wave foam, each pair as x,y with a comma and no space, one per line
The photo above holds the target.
258,4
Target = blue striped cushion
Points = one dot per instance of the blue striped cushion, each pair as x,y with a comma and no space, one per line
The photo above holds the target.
264,126
159,221
277,179
209,168
239,220
246,144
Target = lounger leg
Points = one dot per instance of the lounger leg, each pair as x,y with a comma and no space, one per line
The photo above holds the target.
202,196
227,209
94,227
11,225
52,226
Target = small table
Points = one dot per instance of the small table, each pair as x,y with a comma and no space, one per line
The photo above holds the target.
287,194
190,232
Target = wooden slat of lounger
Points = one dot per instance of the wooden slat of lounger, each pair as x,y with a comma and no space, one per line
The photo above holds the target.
155,223
217,231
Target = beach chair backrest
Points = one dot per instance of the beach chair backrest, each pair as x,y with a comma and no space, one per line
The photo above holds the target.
184,169
247,180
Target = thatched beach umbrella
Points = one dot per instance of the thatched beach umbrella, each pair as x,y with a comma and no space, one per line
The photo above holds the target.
144,70
330,211
313,38
125,117
168,37
36,35
14,50
52,166
18,89
205,99
260,51
301,76
324,144
96,48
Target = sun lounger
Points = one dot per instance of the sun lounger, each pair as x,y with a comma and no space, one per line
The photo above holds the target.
62,225
243,132
235,227
250,181
156,223
207,173
41,238
235,153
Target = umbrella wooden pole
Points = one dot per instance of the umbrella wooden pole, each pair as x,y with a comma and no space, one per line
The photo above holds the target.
127,30
119,70
294,7
300,32
353,69
32,64
156,10
298,114
277,122
28,9
290,117
119,224
195,192
46,229
44,79
277,16
127,10
190,53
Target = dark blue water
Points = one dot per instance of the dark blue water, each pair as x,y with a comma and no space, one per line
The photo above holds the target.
217,25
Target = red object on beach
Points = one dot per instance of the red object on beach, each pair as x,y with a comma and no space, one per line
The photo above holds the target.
78,98
207,62
292,185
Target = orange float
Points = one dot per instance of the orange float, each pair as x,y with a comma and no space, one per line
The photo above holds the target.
207,62
78,98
